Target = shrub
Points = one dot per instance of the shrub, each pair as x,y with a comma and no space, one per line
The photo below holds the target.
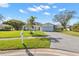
59,29
17,24
75,27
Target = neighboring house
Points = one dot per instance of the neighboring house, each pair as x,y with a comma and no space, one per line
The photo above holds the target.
4,27
69,27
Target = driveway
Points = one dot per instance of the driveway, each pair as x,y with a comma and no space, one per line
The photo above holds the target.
64,41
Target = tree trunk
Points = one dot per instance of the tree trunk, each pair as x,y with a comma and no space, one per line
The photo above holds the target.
65,28
31,31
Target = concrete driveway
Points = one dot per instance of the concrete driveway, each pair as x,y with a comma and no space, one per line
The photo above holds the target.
64,41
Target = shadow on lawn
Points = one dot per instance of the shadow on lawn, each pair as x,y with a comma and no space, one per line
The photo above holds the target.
27,51
34,35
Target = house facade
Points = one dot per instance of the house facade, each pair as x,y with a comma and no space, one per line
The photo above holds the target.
5,27
46,28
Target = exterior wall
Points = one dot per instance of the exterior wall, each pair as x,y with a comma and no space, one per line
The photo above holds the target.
34,28
42,28
47,28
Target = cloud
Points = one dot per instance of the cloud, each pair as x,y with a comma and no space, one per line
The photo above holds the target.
4,5
63,9
54,6
44,6
33,9
7,18
46,13
22,11
38,8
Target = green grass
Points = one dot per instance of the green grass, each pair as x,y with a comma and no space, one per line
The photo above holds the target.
31,43
71,33
13,34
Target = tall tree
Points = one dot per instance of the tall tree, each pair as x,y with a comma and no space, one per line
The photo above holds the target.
31,22
64,17
17,24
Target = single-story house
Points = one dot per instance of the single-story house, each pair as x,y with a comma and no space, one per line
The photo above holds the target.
2,25
6,27
44,27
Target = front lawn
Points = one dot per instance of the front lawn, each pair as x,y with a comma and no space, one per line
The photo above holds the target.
30,43
13,34
71,33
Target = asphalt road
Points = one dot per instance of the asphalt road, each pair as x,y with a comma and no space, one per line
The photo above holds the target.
64,41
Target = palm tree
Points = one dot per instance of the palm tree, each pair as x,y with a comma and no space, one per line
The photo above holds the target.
31,23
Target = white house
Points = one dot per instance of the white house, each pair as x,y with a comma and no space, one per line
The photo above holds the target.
5,27
47,28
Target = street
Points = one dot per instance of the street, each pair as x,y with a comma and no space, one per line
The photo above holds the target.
63,41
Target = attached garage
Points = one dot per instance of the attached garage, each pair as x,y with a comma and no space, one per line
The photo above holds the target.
47,28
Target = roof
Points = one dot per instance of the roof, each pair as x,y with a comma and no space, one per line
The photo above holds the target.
48,24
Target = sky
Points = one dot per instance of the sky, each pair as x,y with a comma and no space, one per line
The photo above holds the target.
43,11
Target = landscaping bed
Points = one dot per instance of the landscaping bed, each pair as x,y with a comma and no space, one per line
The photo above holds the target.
29,43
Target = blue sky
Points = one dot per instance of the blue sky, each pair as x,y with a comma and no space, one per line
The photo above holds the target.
43,11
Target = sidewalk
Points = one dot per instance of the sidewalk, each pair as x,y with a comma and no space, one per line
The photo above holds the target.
20,38
38,52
